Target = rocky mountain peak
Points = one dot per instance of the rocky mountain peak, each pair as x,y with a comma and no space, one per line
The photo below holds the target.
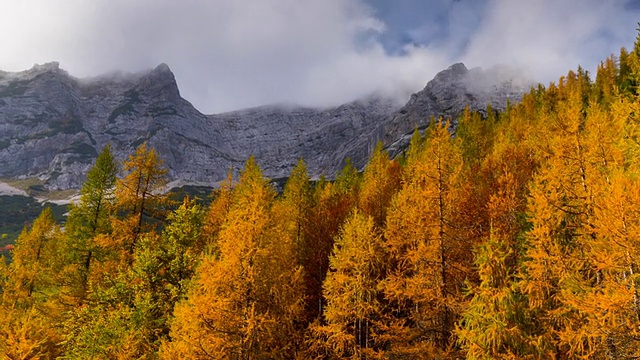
161,82
50,68
447,95
162,68
452,73
52,125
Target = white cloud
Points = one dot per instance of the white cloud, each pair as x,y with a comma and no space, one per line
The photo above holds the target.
225,54
229,54
550,37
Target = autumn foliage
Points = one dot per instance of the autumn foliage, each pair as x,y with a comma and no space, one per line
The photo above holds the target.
502,235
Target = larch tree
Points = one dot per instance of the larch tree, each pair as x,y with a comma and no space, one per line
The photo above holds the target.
216,215
35,260
297,195
331,204
29,317
606,307
130,318
164,267
612,308
291,214
430,260
495,323
380,182
354,327
243,304
139,198
564,193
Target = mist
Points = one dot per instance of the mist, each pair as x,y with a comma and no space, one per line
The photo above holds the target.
228,55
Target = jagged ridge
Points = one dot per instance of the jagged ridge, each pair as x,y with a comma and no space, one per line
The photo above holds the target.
52,125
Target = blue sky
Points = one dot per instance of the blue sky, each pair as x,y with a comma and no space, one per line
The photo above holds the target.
230,54
455,22
425,23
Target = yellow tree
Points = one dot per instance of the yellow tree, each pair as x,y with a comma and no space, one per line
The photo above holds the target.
612,308
129,318
296,204
216,215
495,323
139,196
28,319
35,254
292,213
244,303
476,136
431,260
381,180
136,280
604,306
354,308
575,158
331,203
606,87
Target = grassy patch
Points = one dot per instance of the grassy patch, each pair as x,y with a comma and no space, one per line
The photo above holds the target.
60,194
35,188
23,184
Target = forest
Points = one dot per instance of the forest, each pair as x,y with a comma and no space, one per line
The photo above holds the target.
514,235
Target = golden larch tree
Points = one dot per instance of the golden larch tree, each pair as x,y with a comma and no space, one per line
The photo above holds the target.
354,311
243,304
430,260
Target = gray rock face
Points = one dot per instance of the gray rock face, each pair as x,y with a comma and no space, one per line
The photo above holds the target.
53,125
448,94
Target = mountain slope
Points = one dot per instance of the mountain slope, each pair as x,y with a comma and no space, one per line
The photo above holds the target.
52,125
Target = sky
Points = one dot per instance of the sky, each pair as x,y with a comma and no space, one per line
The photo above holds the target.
231,54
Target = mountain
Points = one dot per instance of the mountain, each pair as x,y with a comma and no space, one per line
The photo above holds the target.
52,125
448,94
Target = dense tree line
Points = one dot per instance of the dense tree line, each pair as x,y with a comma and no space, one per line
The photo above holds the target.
517,237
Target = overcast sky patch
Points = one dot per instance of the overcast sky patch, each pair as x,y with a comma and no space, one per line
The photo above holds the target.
233,54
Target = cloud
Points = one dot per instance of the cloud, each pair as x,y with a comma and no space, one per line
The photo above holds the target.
225,54
550,37
229,54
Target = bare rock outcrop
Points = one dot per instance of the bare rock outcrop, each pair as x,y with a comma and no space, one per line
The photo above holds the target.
53,125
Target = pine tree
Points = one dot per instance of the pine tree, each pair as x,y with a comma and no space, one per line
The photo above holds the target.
90,217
